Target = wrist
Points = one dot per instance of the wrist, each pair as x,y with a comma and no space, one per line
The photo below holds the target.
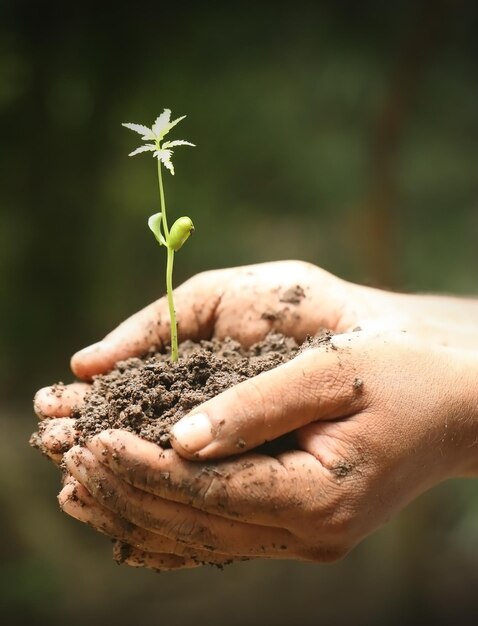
440,320
443,320
465,415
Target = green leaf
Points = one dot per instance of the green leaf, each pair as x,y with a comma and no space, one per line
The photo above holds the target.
165,157
154,223
161,123
177,142
174,122
146,132
149,147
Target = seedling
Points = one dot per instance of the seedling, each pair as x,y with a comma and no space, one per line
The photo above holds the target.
174,238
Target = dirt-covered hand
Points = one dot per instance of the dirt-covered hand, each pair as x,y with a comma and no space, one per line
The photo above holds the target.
245,303
378,419
134,546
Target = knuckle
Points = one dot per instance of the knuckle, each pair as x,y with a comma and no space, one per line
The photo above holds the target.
214,493
202,280
333,515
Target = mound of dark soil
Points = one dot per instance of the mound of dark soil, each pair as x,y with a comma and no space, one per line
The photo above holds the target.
148,395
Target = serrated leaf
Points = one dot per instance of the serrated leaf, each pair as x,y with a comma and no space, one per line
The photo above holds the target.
165,157
147,148
177,142
168,164
161,122
173,124
144,131
154,223
163,154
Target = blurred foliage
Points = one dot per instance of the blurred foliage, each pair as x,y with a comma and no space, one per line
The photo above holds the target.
341,133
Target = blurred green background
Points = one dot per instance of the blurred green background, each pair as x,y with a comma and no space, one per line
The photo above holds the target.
342,133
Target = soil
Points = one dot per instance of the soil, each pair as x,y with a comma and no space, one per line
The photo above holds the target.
149,395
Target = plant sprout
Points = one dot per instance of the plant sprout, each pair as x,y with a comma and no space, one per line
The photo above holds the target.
174,238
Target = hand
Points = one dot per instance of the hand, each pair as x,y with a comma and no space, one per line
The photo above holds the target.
378,419
245,303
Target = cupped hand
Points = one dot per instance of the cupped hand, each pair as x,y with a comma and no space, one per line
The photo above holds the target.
360,442
245,303
378,419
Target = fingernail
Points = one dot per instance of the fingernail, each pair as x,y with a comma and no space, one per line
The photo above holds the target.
194,432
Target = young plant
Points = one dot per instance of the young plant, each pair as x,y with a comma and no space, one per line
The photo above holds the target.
174,238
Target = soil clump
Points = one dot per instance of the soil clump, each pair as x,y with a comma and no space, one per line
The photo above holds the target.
148,395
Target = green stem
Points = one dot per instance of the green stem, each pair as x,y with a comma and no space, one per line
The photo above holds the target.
162,201
169,270
172,312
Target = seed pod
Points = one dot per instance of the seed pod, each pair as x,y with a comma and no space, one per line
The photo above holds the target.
180,231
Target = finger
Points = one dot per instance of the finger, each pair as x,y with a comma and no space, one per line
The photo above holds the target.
55,437
196,301
76,501
59,400
254,488
123,553
179,522
318,384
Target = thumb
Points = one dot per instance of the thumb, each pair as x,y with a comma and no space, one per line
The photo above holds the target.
196,302
319,384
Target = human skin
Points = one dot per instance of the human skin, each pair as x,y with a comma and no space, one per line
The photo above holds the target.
379,415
